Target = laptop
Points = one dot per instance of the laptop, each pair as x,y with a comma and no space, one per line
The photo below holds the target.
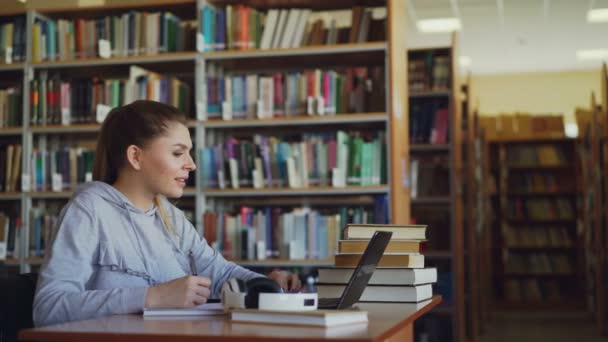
358,281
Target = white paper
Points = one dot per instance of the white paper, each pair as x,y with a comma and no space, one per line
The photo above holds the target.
57,182
2,250
260,250
221,180
8,55
102,112
200,111
104,48
320,105
200,42
310,105
259,109
226,110
65,116
26,181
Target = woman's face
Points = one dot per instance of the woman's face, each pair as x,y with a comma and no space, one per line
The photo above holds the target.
166,162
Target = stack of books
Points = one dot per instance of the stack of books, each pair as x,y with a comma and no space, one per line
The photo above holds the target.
400,276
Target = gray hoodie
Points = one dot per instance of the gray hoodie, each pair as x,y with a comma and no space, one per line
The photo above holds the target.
106,253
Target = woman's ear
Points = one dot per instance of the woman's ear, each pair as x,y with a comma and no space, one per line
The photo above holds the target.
134,156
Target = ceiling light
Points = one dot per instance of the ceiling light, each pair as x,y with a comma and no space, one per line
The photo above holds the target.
439,25
597,15
591,54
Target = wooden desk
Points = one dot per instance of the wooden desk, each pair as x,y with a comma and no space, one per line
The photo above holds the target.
387,322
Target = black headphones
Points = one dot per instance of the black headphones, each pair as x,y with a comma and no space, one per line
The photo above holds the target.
252,288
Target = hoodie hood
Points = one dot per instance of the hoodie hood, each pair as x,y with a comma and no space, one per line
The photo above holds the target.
112,195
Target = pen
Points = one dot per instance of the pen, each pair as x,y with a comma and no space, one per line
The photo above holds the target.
192,264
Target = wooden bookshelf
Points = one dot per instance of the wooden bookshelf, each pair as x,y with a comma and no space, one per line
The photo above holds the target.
451,202
310,191
169,57
8,131
604,177
521,191
10,196
12,67
313,51
341,119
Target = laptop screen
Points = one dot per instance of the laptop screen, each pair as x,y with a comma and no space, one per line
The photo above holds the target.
366,267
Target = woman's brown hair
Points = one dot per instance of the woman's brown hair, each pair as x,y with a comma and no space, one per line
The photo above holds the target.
134,124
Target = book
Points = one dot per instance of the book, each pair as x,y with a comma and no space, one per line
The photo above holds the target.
405,232
394,246
323,318
380,293
387,260
207,309
381,276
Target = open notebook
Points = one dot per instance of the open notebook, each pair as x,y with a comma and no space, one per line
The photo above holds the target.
207,309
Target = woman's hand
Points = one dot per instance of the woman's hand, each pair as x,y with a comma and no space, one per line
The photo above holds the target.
184,292
287,281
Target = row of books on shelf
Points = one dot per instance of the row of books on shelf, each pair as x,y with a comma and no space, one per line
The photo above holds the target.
10,167
535,290
401,276
11,106
9,236
429,176
239,27
42,222
428,123
430,72
541,209
331,159
308,92
13,40
538,264
540,182
284,233
87,100
537,236
61,168
129,34
522,126
542,155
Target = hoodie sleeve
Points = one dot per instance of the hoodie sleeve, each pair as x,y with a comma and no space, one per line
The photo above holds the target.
61,293
209,262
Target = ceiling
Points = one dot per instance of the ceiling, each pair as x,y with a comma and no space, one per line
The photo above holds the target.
504,36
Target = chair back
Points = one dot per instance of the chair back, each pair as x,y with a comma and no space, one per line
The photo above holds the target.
16,302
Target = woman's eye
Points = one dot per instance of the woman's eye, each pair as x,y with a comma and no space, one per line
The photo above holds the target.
178,154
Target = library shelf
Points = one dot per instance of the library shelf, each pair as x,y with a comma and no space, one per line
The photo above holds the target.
10,196
322,5
430,147
169,57
431,200
545,248
542,305
299,120
540,221
351,48
286,263
310,191
188,192
11,262
12,66
430,93
76,128
541,275
541,193
11,131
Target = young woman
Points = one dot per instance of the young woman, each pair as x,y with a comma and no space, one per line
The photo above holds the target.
120,245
